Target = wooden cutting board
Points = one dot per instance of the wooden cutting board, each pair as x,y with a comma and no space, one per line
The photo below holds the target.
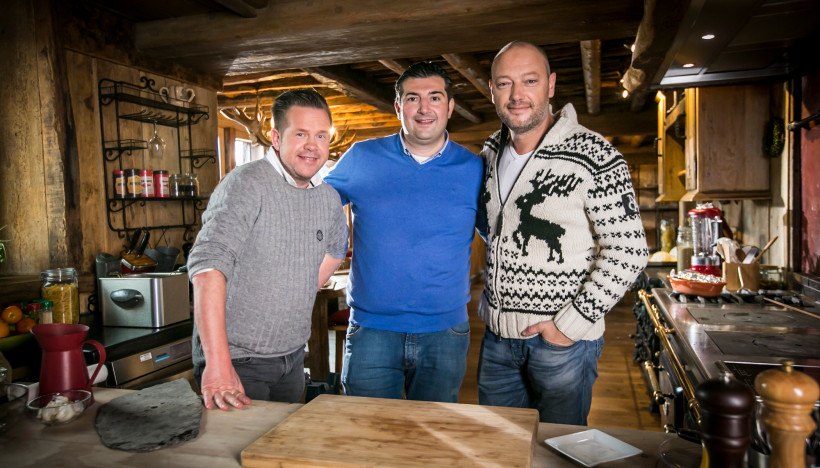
334,430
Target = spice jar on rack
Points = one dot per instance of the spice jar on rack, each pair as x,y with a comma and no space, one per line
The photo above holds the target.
174,185
61,287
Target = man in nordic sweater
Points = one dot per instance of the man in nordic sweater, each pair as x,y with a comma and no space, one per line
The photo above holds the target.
269,240
564,243
414,199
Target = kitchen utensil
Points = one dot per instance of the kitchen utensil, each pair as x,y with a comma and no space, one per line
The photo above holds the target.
765,248
59,408
165,256
133,260
156,145
63,366
726,407
707,225
148,300
788,402
696,288
448,434
749,253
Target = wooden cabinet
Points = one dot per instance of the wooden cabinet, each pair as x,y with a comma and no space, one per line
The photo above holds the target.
724,143
670,144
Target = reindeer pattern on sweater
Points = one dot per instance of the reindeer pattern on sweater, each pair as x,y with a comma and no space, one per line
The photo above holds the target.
568,241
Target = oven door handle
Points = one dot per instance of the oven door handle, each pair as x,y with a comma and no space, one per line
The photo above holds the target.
655,387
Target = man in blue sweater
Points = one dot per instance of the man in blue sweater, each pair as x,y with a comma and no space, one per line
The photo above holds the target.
414,197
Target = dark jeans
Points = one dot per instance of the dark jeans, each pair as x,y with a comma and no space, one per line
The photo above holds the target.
532,373
273,379
420,366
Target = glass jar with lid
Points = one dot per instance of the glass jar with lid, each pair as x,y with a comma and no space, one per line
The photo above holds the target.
684,247
188,185
175,185
61,287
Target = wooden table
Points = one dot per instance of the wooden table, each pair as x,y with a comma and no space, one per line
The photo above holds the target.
318,356
224,434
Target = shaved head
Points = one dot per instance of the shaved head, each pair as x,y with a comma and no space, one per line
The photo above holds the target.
525,45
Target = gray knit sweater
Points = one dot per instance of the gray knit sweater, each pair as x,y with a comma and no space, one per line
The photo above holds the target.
268,238
568,241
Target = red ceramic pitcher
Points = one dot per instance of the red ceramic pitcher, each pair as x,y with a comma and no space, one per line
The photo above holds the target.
63,366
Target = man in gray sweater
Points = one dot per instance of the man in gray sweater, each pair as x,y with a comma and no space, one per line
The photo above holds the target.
269,240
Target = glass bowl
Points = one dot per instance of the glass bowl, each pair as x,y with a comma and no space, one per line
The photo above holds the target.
12,402
59,408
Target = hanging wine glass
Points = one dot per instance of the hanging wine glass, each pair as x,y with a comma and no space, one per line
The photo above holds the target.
156,145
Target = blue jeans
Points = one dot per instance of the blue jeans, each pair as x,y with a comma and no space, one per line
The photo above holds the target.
273,379
420,366
532,373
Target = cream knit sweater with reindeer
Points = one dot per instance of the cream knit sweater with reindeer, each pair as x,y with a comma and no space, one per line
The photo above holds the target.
568,242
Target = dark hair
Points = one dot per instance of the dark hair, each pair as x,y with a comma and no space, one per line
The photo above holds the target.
297,97
424,70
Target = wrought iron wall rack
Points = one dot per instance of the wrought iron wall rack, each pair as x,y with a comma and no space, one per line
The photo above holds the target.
143,103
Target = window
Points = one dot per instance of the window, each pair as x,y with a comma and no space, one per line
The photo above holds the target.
245,151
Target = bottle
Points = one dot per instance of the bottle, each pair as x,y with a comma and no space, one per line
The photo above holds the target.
61,287
133,183
685,249
119,183
174,185
46,314
34,310
726,420
161,184
667,235
147,183
194,185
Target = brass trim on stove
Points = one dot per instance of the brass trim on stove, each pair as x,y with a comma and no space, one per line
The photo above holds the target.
663,332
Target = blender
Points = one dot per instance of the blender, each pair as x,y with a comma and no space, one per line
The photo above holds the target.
706,222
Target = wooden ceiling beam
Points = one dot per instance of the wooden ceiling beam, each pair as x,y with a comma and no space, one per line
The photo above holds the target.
469,68
234,80
656,32
399,65
355,83
239,7
591,64
288,34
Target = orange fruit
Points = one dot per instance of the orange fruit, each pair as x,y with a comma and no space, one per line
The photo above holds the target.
4,330
12,314
25,325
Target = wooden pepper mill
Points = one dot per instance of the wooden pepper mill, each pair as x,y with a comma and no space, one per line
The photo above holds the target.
788,401
726,421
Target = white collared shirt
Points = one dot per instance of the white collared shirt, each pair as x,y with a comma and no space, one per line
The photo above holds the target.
273,158
424,159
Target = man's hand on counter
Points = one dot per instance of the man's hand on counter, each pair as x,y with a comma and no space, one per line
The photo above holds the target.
222,388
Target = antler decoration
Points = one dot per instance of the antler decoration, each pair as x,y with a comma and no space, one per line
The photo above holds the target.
340,142
257,124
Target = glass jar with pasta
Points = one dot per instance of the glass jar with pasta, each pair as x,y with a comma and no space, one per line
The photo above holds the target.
60,286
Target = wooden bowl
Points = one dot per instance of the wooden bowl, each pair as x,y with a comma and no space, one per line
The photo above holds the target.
696,288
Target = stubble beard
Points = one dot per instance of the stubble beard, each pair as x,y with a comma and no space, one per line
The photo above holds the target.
536,119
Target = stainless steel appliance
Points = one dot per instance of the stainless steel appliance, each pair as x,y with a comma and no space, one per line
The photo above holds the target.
698,338
142,357
147,300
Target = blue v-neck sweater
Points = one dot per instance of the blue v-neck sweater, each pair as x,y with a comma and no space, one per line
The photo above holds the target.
412,229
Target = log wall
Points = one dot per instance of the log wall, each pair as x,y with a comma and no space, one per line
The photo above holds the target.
51,164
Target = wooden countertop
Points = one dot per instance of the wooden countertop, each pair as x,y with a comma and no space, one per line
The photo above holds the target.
224,435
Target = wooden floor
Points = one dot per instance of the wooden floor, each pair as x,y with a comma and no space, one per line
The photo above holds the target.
619,397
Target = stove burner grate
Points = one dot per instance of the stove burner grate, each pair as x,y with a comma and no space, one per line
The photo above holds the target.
783,297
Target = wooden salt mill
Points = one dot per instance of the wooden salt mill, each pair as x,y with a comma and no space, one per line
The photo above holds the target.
726,421
788,401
